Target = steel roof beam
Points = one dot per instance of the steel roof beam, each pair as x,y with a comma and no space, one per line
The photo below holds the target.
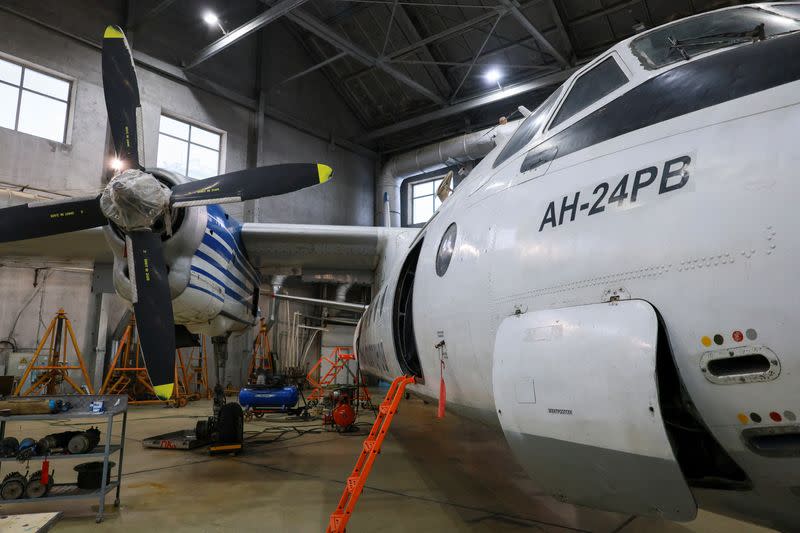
324,32
536,34
273,13
466,105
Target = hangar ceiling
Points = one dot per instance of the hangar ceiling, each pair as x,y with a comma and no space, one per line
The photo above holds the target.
409,71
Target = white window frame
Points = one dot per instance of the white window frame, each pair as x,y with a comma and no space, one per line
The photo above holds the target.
223,140
410,199
73,83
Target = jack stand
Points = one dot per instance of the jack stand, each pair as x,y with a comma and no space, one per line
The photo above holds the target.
261,360
56,370
128,374
197,366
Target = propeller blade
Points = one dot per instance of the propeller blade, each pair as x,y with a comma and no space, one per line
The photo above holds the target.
122,98
39,219
250,184
153,309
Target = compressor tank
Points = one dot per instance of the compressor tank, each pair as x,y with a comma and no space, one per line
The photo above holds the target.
266,397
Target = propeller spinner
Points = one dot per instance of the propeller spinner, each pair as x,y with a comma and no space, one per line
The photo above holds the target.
135,200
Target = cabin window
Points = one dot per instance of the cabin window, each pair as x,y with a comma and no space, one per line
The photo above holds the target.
594,84
530,128
188,149
697,35
34,102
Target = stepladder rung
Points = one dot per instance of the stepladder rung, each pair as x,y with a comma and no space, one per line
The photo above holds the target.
370,448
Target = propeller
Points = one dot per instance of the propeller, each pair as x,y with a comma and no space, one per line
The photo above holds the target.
135,201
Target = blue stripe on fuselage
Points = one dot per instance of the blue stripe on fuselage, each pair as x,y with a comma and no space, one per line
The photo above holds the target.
228,291
229,230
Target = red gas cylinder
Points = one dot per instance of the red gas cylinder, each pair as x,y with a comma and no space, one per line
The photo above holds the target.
344,416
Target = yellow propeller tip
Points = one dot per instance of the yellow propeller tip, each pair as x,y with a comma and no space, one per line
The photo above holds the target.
164,392
325,172
113,32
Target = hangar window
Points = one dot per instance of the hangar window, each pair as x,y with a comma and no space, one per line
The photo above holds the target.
34,102
591,86
424,201
188,149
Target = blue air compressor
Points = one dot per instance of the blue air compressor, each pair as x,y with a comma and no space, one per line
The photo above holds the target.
258,400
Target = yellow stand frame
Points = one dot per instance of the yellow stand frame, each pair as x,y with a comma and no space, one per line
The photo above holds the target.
57,368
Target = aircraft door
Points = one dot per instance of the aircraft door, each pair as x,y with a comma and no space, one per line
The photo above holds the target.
576,395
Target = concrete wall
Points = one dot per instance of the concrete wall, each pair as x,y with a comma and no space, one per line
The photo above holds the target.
81,165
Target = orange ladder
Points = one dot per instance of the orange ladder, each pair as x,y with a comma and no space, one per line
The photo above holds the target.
369,452
337,359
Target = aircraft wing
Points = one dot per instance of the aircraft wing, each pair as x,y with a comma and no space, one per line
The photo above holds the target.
310,248
84,244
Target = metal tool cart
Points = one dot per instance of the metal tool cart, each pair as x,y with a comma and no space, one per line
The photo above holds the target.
80,411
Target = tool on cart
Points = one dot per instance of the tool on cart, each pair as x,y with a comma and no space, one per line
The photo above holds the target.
369,452
73,442
13,486
39,484
50,376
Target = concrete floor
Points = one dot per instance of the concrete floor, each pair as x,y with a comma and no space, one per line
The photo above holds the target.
432,475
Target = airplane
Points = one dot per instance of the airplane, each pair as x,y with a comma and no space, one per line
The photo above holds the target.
610,286
178,257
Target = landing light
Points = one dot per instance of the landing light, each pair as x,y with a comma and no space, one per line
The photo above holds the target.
116,164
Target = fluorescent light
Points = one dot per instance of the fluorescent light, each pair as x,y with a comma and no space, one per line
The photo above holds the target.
210,18
493,75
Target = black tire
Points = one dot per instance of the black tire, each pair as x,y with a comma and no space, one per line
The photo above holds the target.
231,423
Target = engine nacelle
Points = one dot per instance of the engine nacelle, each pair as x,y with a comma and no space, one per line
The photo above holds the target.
188,226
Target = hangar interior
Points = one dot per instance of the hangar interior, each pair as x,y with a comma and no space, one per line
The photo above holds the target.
393,95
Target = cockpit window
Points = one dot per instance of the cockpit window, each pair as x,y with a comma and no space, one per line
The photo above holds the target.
591,86
529,128
687,38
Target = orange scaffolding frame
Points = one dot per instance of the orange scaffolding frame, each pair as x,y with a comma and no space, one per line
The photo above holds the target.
197,371
369,452
338,359
57,368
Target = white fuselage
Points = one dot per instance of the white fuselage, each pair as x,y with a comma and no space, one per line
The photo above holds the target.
710,242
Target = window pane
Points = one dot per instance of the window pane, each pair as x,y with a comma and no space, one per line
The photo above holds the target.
42,83
602,79
10,72
42,116
422,189
174,127
436,185
422,209
529,128
203,163
206,138
436,203
172,154
8,105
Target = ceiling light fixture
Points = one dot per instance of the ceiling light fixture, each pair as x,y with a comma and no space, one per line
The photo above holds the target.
493,75
211,18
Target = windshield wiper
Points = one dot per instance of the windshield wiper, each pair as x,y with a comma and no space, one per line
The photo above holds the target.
721,39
